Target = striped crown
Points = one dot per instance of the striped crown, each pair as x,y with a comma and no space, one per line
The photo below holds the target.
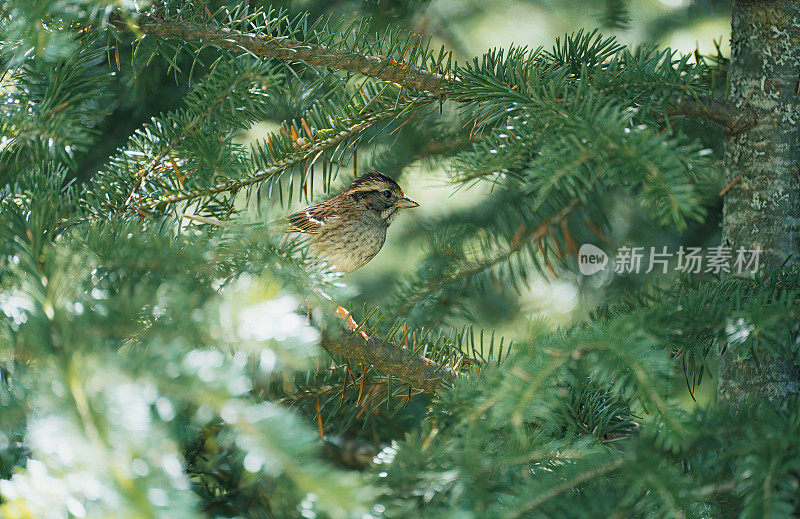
373,181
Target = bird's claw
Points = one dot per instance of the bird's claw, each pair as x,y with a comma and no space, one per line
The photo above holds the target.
348,319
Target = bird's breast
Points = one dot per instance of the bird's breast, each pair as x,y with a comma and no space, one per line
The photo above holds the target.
350,245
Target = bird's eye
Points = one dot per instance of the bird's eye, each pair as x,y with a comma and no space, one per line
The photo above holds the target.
387,193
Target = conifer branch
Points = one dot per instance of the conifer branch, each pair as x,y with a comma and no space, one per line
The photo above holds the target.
523,238
305,394
567,486
422,373
143,174
307,152
295,51
735,120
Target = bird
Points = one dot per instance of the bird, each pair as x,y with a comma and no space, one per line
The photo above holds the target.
350,229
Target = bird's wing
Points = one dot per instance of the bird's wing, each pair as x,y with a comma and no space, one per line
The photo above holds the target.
312,219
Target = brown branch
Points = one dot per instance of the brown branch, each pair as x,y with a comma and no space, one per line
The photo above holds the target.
730,186
396,361
293,51
735,120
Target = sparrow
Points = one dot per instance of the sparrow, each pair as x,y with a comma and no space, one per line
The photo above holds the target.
349,229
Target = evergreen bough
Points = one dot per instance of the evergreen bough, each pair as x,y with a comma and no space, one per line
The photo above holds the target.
160,341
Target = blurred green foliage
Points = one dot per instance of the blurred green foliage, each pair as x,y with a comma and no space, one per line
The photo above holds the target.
160,339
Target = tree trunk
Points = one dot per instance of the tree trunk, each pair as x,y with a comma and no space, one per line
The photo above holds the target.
762,210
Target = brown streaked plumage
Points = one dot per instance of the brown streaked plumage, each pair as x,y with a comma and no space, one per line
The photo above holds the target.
349,229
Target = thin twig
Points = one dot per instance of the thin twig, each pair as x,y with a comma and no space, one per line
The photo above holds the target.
206,219
729,186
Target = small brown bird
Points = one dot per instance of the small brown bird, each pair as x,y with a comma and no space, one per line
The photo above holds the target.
349,229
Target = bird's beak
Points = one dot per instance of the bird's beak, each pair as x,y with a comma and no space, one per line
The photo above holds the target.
406,202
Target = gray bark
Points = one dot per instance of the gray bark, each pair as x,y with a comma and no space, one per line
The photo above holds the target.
762,210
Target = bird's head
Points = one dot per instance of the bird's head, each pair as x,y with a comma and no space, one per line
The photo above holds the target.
380,194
